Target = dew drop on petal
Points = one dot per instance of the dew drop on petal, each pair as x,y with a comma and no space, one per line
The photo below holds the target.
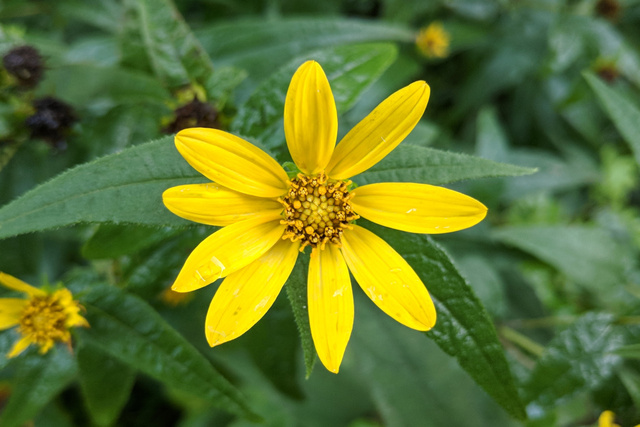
217,262
261,304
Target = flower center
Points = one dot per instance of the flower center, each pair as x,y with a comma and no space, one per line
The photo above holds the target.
316,210
44,321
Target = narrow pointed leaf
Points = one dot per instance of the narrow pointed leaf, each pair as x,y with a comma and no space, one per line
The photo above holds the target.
7,151
128,329
586,254
411,381
297,293
579,359
464,330
112,241
39,379
412,163
624,114
261,46
174,53
105,383
122,187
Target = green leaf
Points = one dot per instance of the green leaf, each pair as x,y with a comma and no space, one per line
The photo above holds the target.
274,348
556,174
411,163
122,187
150,272
86,85
105,15
53,415
463,330
112,241
624,114
350,70
123,126
297,293
106,383
586,254
411,381
629,351
491,142
631,381
579,358
486,281
38,379
128,329
175,54
263,46
221,84
7,150
7,340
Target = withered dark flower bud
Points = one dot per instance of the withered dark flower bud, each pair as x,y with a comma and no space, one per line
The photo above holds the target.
608,73
194,114
609,9
25,64
52,121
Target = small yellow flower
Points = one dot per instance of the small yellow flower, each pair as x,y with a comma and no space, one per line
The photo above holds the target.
42,318
433,41
606,419
268,218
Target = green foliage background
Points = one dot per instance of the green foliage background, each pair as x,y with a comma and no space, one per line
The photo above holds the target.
534,112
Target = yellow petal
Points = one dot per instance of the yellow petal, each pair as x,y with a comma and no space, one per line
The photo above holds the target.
18,285
330,300
380,132
310,118
214,204
417,208
228,250
606,419
246,295
387,279
20,346
10,311
232,162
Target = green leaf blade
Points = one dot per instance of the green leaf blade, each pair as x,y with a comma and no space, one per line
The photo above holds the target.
262,47
105,383
411,163
297,293
40,379
153,347
463,330
586,254
579,358
174,52
125,187
625,115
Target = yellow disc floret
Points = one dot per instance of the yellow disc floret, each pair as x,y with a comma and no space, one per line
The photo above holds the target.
433,41
47,319
317,210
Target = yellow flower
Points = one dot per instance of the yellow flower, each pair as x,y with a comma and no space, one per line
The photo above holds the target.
433,41
43,318
606,419
268,218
